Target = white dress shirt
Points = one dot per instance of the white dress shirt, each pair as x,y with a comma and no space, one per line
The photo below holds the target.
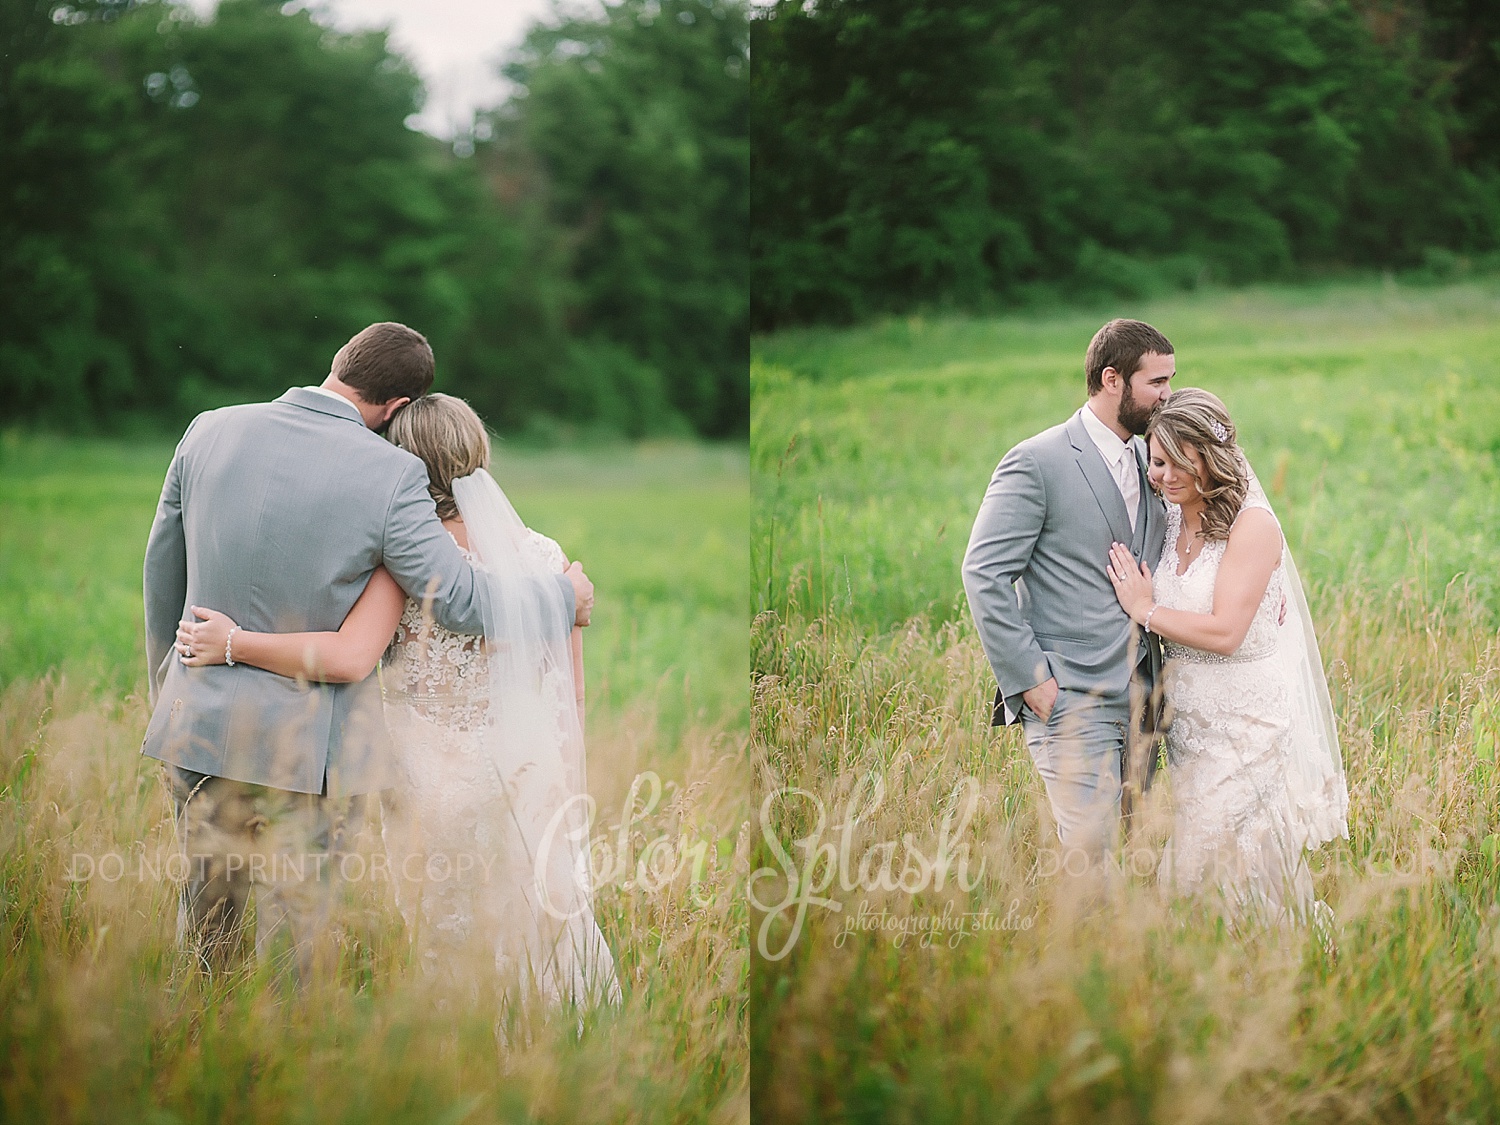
1119,458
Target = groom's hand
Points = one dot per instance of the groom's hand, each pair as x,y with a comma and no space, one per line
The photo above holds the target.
583,593
1041,699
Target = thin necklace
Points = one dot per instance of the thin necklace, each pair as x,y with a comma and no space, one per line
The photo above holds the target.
1195,541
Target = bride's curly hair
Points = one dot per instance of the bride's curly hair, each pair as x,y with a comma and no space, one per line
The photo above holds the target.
449,437
1196,418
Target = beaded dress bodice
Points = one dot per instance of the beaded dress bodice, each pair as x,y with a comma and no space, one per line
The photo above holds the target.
442,675
1193,591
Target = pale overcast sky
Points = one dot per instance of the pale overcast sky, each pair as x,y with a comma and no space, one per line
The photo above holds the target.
454,43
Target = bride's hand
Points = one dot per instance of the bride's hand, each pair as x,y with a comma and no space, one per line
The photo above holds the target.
1132,582
200,643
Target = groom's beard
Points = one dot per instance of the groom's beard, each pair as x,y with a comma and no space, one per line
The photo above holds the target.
1135,415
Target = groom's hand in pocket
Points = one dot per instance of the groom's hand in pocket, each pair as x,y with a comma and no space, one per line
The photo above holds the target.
583,593
1041,699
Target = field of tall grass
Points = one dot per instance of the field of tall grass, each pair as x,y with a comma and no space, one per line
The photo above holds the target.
881,991
101,1019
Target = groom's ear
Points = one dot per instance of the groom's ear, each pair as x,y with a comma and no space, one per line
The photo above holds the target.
394,405
1111,379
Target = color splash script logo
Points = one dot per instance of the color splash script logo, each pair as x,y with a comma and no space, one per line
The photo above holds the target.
822,859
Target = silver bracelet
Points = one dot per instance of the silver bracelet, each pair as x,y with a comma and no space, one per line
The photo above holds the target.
229,646
1146,624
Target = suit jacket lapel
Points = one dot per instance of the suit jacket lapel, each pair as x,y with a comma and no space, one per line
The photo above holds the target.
1153,511
1143,511
1101,483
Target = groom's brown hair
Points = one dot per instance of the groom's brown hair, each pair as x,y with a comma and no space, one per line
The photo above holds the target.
385,361
1121,344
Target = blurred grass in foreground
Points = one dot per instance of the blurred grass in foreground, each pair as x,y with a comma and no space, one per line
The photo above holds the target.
1374,418
101,1021
1141,1010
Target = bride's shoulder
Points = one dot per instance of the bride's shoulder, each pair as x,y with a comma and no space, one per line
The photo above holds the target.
548,550
1256,526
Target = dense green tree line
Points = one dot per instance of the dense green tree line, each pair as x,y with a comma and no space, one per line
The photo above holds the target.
967,152
196,211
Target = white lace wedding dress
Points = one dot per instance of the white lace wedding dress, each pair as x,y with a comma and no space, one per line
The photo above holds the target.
1230,749
462,840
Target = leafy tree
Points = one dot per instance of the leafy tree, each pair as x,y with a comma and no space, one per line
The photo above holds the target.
201,210
61,127
632,126
965,151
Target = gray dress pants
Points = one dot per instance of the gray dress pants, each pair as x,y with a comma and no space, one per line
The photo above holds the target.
1078,752
287,845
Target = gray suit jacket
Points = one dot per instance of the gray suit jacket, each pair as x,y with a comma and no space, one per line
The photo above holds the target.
277,514
1034,570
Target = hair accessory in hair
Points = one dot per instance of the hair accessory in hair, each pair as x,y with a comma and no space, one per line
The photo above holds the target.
1218,428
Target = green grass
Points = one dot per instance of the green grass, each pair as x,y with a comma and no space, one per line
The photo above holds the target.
1373,416
659,528
102,1020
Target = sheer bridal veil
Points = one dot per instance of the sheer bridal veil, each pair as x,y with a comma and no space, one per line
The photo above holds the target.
535,741
1315,780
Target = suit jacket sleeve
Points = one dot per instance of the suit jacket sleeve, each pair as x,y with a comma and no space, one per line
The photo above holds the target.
425,562
1005,533
164,575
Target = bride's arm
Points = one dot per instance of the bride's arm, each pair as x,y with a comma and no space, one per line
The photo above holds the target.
1250,557
336,658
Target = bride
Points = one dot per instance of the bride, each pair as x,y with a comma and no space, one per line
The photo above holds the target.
1257,780
486,836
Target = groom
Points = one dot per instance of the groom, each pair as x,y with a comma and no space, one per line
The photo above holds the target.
1071,665
278,513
